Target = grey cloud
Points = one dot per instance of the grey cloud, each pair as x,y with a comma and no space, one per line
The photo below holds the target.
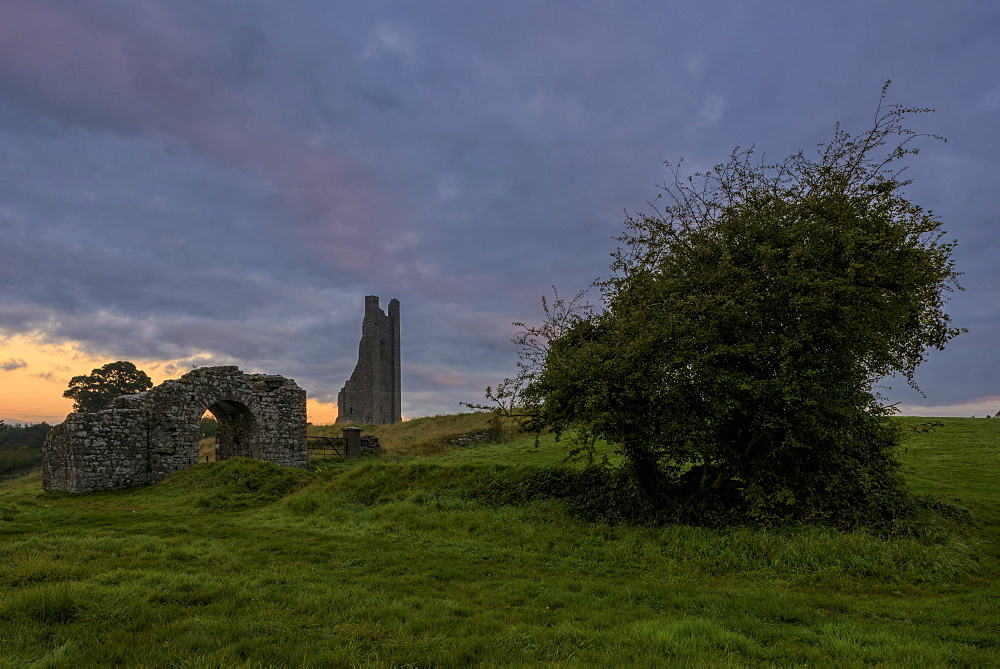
226,181
12,364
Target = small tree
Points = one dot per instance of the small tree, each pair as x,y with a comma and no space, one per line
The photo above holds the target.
96,390
209,427
747,323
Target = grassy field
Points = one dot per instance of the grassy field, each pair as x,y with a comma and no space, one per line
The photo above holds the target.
394,562
421,436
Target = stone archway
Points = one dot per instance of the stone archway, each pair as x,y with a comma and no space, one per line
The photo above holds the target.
236,432
146,437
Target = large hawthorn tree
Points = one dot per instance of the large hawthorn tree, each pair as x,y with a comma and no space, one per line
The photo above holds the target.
94,391
748,320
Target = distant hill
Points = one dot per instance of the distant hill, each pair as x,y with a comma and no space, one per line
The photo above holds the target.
15,422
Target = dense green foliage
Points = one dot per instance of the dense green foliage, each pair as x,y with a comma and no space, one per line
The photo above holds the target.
30,437
95,391
745,328
21,446
431,561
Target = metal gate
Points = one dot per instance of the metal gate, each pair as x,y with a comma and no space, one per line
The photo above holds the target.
321,448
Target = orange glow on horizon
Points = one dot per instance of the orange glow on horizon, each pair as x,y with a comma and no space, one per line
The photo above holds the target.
320,413
34,374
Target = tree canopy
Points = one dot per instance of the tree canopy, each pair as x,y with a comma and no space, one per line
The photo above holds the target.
95,391
29,436
749,318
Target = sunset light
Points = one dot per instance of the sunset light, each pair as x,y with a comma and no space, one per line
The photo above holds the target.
35,373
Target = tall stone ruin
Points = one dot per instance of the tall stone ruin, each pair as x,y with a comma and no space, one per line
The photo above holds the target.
371,396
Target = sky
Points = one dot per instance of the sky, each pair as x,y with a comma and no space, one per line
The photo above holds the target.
187,183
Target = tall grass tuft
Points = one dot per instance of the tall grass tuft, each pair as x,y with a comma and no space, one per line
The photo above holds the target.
46,604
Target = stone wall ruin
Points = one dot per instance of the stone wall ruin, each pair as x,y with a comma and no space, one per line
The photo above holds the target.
372,395
143,438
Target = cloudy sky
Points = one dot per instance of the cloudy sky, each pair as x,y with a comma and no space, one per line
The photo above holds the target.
185,182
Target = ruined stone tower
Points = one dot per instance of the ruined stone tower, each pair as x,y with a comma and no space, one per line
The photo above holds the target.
371,396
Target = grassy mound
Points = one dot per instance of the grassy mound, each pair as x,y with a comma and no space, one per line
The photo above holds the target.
239,483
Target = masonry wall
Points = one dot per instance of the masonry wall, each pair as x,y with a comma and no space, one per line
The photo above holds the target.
99,451
144,438
372,395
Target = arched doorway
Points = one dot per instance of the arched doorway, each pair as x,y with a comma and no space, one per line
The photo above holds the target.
206,439
237,430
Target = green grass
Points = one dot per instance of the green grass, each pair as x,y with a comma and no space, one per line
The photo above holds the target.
442,437
393,562
432,435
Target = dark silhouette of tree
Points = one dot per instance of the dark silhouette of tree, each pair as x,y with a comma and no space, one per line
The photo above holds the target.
95,391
